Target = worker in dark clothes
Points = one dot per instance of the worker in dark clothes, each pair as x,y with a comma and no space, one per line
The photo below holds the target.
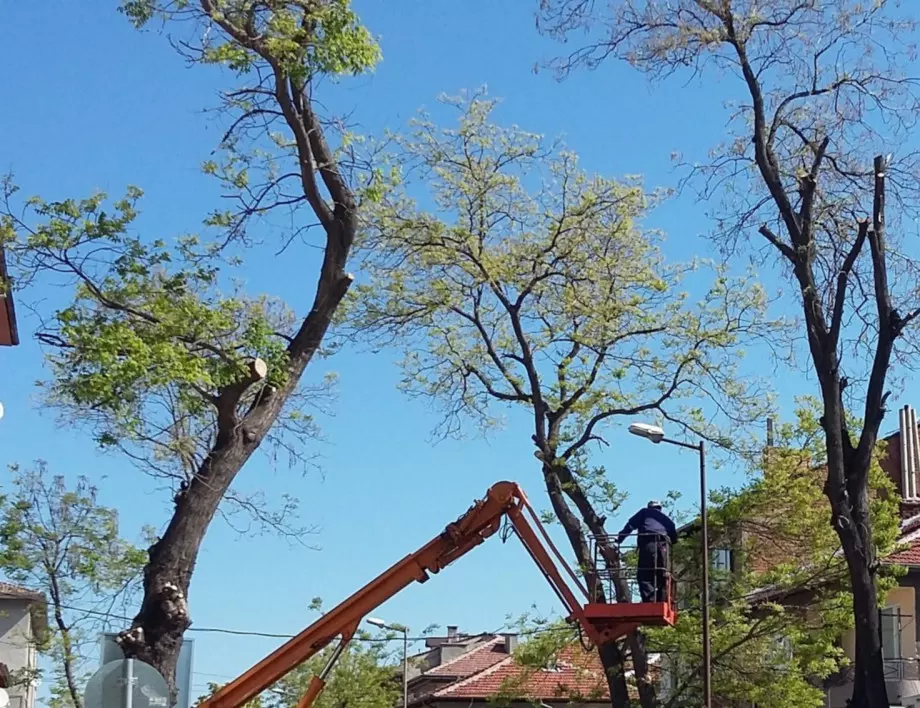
655,534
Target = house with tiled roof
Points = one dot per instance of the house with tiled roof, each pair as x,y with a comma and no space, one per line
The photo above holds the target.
477,669
23,627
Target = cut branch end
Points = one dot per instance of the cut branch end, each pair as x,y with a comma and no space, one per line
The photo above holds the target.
258,370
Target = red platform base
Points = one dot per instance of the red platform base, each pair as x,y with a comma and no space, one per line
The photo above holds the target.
617,620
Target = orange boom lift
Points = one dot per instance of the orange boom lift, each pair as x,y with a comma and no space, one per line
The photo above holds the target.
600,623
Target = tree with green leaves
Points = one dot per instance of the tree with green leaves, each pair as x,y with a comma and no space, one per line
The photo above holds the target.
152,352
57,539
779,612
364,676
826,93
531,285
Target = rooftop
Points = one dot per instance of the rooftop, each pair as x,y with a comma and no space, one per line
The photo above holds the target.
487,666
9,591
577,676
472,662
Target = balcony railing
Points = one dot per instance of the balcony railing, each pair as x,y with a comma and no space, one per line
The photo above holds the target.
902,669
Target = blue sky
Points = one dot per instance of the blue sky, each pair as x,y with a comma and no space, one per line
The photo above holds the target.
96,105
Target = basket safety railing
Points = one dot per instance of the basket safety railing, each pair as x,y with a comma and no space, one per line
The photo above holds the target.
637,568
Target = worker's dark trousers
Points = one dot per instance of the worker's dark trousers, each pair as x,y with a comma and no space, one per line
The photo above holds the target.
653,571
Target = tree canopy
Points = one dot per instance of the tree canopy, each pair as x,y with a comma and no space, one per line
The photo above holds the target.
187,379
364,676
816,154
532,284
55,538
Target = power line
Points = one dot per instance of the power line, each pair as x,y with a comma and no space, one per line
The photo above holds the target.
275,635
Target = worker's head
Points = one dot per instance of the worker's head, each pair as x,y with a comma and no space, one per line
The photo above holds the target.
654,504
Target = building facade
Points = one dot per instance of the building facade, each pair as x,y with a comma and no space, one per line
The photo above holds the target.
23,625
898,614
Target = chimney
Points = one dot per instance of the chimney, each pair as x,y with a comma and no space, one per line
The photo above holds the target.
910,452
511,641
451,632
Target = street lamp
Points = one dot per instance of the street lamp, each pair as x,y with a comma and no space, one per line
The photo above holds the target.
405,632
656,435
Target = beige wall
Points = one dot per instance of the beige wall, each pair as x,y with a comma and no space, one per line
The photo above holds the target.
17,650
903,597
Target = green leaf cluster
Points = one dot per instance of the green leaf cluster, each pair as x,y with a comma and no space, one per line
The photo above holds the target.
531,281
149,339
300,37
364,676
57,539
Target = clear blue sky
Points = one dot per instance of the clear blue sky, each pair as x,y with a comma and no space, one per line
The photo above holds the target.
94,104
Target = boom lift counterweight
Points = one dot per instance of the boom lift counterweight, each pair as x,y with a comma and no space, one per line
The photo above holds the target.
599,622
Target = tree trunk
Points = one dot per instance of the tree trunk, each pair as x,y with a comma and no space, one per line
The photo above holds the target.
648,696
614,664
66,640
869,689
156,633
155,636
848,493
611,656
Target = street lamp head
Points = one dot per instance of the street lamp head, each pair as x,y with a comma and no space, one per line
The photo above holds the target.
386,625
649,432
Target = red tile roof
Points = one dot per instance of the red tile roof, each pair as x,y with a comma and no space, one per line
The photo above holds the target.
910,538
579,675
472,662
909,556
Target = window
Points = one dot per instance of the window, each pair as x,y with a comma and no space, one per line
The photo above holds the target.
891,632
721,559
784,646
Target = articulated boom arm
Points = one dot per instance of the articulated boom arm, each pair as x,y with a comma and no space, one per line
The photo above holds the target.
480,522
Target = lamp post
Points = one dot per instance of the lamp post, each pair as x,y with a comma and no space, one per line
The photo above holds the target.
656,435
405,632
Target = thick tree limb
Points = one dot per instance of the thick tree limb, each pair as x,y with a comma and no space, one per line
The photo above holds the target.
783,248
842,281
888,330
655,404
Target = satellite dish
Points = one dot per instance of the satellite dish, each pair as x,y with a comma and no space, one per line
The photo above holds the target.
1,415
4,698
107,687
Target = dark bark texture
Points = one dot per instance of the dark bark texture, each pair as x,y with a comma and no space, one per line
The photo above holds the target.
811,87
156,633
848,464
562,487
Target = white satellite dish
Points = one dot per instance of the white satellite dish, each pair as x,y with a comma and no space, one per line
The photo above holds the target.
4,698
1,415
